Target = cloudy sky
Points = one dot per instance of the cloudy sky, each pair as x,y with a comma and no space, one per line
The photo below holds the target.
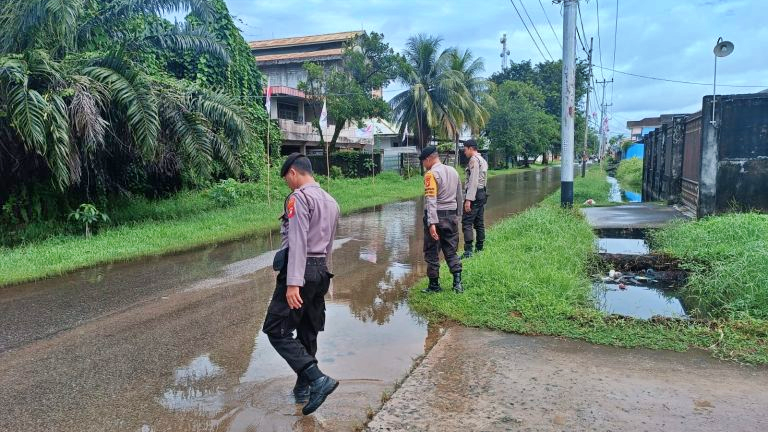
670,39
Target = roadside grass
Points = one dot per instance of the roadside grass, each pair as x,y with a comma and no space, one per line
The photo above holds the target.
532,278
630,173
592,186
173,228
727,256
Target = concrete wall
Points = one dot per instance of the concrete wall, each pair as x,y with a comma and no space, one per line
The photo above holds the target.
742,150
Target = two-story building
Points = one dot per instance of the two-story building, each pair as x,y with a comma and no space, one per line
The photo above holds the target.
282,60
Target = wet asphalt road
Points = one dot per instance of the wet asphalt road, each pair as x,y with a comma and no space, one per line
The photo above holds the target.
173,343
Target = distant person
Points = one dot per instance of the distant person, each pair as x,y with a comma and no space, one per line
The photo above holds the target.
308,228
442,209
475,198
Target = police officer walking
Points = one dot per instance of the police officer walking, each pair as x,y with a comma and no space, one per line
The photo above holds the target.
442,209
308,228
475,198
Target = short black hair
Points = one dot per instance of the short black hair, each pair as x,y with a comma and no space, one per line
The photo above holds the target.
297,161
470,143
427,152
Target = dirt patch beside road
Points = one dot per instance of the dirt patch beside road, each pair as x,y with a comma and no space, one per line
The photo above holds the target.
480,380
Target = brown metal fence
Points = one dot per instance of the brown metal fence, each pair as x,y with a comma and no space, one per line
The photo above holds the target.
692,161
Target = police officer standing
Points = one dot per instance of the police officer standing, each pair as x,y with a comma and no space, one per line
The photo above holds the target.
308,228
442,209
475,198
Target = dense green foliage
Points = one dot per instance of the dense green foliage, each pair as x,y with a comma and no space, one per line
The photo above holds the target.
630,173
728,259
518,124
444,91
520,105
188,220
100,99
533,278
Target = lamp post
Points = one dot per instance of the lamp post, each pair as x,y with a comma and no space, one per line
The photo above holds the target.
722,49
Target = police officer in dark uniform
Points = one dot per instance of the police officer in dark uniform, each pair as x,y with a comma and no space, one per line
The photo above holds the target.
308,228
442,210
475,198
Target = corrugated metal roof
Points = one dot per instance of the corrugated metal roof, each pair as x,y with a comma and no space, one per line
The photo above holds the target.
302,56
304,40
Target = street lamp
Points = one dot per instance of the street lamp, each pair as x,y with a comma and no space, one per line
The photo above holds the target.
722,49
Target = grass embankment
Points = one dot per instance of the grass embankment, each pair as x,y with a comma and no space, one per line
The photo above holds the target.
728,259
592,186
183,223
532,279
630,173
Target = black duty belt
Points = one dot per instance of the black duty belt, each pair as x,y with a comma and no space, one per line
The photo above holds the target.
315,260
446,212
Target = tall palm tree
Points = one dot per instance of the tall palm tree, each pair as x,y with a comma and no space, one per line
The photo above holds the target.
78,83
473,113
443,90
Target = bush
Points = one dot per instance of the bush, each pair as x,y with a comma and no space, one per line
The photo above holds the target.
630,172
336,172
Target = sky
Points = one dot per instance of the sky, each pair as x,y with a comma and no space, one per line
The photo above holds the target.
669,39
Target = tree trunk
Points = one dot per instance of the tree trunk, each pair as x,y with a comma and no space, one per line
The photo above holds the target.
336,132
545,158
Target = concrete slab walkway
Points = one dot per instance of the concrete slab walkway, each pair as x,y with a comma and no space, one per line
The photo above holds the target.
480,380
645,215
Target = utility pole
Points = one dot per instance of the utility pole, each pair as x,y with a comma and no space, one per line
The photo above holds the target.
586,112
603,110
568,109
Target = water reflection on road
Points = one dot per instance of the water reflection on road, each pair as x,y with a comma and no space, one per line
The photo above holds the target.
173,343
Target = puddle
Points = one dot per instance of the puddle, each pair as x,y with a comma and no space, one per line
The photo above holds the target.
619,195
641,302
622,246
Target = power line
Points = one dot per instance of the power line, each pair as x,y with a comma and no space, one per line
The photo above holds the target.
526,29
581,21
615,42
536,30
599,41
557,38
681,81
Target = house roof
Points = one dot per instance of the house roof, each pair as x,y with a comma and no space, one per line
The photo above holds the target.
328,54
304,40
646,122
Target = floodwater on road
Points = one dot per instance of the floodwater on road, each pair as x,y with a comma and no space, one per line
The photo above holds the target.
173,343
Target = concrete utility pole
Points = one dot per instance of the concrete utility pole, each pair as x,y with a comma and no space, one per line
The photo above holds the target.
586,112
568,102
603,110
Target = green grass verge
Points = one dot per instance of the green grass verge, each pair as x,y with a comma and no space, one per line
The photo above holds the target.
532,278
592,186
728,259
174,233
630,173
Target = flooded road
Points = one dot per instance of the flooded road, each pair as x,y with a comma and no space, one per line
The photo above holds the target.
174,343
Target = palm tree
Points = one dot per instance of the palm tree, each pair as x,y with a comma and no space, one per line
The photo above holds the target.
443,90
79,83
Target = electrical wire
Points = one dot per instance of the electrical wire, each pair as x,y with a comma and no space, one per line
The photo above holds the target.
526,29
680,81
557,38
615,43
599,40
536,30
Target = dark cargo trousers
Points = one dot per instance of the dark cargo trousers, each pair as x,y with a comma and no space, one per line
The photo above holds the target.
448,230
473,221
307,321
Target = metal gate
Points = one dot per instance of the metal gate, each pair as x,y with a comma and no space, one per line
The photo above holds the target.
390,163
692,162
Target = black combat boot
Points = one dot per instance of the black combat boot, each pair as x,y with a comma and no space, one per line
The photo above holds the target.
457,283
301,389
320,387
433,287
479,247
467,250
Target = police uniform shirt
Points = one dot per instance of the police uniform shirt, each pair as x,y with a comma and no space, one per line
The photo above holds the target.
442,191
309,228
477,176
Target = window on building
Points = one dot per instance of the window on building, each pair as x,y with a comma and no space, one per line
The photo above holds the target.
287,111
